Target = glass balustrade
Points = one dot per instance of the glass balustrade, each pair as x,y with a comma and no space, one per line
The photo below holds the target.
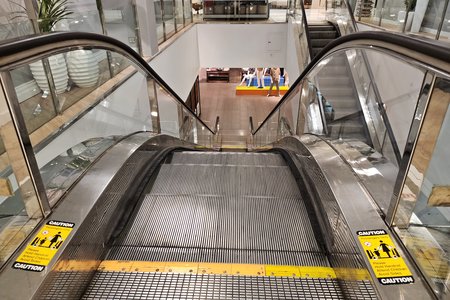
74,107
422,216
425,18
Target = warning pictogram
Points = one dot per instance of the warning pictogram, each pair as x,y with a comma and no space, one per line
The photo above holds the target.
38,254
384,258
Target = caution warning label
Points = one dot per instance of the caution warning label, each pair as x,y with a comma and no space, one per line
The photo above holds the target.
384,258
38,254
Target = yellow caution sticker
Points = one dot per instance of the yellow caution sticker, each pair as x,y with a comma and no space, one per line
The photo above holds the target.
38,254
384,258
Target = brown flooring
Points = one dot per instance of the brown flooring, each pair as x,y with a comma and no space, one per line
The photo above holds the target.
219,99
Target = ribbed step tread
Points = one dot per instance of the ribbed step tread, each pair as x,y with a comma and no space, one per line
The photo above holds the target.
321,28
316,43
323,34
292,258
227,158
263,181
276,224
151,285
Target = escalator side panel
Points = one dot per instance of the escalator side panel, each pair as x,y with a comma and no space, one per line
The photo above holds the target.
357,212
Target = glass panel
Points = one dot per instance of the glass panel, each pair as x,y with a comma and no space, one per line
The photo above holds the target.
427,17
120,21
169,115
32,89
159,20
88,70
187,12
367,11
85,17
169,18
14,21
445,31
423,216
19,207
393,15
179,14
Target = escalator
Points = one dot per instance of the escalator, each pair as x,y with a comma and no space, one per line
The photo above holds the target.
158,214
218,225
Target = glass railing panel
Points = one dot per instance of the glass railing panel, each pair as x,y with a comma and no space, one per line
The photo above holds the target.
393,15
444,34
187,12
120,22
422,216
179,14
95,108
20,211
85,17
87,70
169,18
169,113
268,132
366,12
118,63
15,27
159,21
298,22
31,84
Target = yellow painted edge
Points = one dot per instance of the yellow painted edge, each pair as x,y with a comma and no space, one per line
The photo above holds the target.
254,88
216,269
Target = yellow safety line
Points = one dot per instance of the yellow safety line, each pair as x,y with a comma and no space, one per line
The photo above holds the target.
254,88
216,269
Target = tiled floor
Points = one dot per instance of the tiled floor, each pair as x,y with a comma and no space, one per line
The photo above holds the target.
219,99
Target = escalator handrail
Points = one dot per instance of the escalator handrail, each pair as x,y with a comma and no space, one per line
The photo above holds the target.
431,53
305,22
13,52
352,17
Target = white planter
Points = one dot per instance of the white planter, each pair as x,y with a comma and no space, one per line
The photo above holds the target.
58,68
83,68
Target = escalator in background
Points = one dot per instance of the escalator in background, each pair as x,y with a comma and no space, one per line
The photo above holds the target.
321,35
156,214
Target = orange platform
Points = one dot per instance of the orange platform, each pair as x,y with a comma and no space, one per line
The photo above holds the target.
253,90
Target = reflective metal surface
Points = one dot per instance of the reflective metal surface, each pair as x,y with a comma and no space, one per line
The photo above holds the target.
74,208
376,173
359,212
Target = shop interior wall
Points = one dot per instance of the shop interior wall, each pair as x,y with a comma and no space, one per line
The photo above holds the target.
178,64
242,45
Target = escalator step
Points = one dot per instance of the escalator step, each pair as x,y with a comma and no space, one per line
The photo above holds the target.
228,158
151,285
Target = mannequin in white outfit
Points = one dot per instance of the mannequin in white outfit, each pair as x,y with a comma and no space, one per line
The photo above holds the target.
249,76
260,77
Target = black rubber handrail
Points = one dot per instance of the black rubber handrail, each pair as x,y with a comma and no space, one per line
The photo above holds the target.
439,51
305,22
10,51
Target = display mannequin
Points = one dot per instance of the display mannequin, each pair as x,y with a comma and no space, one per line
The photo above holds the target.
248,76
274,79
260,77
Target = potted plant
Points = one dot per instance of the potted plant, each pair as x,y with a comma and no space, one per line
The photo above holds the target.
49,13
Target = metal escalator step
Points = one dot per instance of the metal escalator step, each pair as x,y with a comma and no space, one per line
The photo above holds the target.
158,254
267,181
228,158
252,223
154,285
